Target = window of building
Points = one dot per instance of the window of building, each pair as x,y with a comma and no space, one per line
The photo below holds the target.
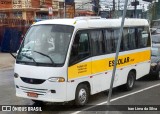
42,2
17,4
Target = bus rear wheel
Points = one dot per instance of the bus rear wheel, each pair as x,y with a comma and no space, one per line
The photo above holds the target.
130,81
82,94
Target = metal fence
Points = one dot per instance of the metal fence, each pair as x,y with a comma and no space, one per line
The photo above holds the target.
11,33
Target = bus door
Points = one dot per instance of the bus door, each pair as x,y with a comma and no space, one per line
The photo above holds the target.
80,57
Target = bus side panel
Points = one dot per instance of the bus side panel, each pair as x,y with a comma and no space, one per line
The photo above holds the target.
72,85
101,75
77,74
142,69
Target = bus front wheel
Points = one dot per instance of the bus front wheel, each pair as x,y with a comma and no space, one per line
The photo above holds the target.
82,94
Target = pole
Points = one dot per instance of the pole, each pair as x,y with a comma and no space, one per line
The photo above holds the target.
113,10
118,7
64,9
117,52
135,9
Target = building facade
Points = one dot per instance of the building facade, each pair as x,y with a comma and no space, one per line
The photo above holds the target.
31,9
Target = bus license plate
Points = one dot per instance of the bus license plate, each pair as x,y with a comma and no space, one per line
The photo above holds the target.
30,94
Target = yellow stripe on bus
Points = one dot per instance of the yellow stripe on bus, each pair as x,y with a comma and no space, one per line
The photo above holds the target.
96,66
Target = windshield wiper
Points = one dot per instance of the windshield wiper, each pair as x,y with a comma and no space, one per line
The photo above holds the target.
45,55
30,58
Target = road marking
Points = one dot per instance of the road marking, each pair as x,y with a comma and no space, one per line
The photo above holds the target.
117,98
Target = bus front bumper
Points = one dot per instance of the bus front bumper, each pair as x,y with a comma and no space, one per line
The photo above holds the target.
48,92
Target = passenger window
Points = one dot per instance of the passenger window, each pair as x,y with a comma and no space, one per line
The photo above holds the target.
108,39
145,38
80,48
98,46
115,36
125,41
129,41
139,37
111,37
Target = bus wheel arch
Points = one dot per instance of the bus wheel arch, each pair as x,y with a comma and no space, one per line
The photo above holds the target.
82,93
131,78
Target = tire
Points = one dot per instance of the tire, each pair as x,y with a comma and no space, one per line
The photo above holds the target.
81,96
157,75
130,81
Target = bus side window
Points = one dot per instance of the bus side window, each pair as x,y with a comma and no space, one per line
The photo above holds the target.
108,34
114,37
125,39
80,48
139,36
131,39
146,37
98,45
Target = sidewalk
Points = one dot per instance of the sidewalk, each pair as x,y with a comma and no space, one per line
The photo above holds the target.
6,61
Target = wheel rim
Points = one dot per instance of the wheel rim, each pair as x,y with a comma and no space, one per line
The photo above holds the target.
131,81
82,96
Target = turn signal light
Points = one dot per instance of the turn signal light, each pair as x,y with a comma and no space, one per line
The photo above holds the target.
56,79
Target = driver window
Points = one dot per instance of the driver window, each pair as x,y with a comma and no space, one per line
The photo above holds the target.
80,48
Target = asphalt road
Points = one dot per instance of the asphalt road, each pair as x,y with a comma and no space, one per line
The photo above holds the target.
146,92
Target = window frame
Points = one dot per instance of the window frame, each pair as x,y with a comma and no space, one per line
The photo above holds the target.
80,60
103,40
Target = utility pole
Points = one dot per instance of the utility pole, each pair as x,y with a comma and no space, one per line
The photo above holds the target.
118,7
113,5
135,4
113,10
117,53
135,9
64,9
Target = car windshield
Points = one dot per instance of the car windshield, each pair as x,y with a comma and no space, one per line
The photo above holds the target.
45,45
155,51
156,38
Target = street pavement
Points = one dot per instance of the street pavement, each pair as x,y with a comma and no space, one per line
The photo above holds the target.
6,61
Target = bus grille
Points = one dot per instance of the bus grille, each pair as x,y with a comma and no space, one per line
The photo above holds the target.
32,80
35,90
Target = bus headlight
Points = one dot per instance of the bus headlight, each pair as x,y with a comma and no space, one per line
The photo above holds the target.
56,79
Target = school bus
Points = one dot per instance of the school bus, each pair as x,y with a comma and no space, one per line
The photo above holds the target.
61,60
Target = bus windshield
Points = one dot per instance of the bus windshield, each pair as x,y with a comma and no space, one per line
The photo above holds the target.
45,45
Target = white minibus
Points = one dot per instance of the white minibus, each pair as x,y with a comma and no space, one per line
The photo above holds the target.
62,60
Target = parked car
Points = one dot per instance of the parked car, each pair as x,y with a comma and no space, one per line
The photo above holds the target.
155,31
155,38
155,61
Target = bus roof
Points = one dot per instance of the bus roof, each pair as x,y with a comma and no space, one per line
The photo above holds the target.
84,22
